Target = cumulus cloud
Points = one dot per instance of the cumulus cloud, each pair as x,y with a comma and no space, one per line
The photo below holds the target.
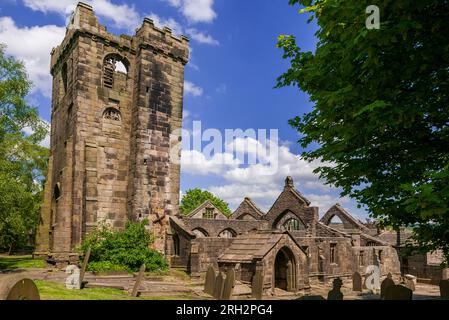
192,89
32,45
122,15
170,22
262,181
202,37
195,10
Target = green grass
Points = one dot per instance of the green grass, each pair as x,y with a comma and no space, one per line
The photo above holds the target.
50,290
20,262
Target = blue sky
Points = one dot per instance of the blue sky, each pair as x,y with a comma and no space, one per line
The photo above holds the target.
229,79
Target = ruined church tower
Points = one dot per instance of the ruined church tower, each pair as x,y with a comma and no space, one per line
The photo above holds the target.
116,114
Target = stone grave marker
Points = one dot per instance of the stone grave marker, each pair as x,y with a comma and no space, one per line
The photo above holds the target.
398,292
16,287
84,268
73,280
410,281
388,282
228,285
335,293
444,289
219,284
257,285
357,282
210,281
138,282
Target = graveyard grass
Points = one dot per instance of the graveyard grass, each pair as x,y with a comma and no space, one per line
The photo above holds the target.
20,262
50,290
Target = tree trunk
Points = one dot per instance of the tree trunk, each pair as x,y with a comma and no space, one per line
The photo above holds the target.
10,249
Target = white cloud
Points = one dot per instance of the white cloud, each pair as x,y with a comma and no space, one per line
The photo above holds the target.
122,15
170,22
264,180
195,10
195,162
192,89
202,37
32,45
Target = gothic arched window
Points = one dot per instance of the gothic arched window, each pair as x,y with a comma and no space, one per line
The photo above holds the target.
113,63
292,225
112,114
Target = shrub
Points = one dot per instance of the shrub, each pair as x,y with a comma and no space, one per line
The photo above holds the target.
127,249
105,266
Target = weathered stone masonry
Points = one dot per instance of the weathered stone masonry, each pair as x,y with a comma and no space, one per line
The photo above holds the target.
112,132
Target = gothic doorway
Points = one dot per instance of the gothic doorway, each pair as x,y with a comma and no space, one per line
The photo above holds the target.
285,270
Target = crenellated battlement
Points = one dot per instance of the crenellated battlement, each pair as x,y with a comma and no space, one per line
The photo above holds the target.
84,22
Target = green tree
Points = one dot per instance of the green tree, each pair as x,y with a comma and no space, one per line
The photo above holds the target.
22,160
381,109
196,197
125,249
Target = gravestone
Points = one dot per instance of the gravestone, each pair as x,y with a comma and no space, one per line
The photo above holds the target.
219,285
398,292
335,293
73,280
356,282
257,285
444,289
84,268
210,281
314,297
388,282
17,287
410,281
138,282
228,285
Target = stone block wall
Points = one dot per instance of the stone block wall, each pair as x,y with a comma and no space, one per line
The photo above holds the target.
112,133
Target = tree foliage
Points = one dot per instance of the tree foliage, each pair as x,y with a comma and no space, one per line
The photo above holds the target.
381,111
125,249
22,160
196,197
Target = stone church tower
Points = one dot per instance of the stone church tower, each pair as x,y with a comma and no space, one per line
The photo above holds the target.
115,129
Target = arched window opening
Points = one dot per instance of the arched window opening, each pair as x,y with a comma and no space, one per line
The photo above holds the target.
57,191
292,225
112,64
200,233
64,76
112,114
227,233
176,245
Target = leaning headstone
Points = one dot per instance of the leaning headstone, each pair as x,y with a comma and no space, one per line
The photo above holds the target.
356,282
444,289
17,287
73,280
219,284
335,293
210,281
388,282
84,267
138,282
257,285
228,285
410,281
398,292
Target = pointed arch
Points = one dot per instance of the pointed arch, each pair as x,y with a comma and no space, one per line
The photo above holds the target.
200,233
227,233
289,221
